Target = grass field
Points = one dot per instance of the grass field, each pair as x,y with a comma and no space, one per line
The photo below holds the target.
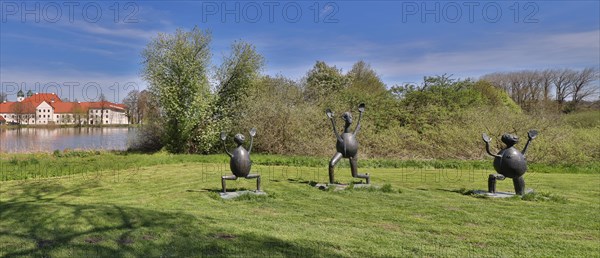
44,165
174,210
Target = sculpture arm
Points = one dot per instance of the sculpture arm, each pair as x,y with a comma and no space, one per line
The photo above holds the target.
225,147
487,148
251,141
487,140
337,135
526,146
358,123
530,135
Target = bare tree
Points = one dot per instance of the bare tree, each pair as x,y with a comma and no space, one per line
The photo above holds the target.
132,102
103,105
563,84
546,79
533,89
19,111
79,113
583,86
147,106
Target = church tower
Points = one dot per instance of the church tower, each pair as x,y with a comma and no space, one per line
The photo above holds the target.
20,96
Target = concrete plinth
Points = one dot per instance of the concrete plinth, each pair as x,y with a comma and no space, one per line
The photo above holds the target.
232,195
341,187
499,194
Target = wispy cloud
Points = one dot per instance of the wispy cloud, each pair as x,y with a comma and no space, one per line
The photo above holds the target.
513,52
409,59
114,30
49,41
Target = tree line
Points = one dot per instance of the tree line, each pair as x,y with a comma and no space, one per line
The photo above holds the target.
188,103
564,89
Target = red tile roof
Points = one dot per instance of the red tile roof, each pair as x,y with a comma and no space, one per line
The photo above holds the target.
71,107
66,107
38,98
6,107
29,105
17,107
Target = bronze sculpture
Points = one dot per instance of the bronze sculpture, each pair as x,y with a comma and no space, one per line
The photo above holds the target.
346,145
240,162
509,162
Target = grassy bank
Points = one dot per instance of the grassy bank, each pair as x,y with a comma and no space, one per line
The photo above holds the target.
174,210
43,165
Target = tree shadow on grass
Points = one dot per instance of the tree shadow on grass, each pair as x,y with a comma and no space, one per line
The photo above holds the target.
48,222
301,181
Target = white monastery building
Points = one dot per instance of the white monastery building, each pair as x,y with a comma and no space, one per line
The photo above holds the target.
48,108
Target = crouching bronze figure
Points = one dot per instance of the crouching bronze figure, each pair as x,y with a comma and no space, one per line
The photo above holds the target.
346,145
509,162
240,162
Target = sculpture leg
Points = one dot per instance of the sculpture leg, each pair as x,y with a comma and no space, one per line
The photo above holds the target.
492,182
354,170
223,178
519,183
257,176
336,158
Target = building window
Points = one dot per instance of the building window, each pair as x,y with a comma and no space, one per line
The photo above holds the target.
106,122
106,116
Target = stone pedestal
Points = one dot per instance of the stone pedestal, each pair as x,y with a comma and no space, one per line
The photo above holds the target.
341,187
499,194
232,195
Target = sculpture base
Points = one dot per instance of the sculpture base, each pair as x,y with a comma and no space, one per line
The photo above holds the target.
499,194
233,195
341,187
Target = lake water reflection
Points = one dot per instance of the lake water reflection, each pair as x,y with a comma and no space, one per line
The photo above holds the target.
50,139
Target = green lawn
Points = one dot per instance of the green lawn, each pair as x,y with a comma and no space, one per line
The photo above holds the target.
44,165
175,210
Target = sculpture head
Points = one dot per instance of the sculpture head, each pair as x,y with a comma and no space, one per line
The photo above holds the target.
347,117
509,140
239,139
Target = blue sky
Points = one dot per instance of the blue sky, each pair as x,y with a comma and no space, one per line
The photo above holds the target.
78,50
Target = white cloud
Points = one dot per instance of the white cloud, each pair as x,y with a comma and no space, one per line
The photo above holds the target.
514,52
116,30
410,61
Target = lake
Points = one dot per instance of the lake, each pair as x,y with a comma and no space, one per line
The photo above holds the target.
50,139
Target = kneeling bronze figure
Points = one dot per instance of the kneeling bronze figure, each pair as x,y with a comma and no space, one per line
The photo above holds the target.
240,162
509,162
